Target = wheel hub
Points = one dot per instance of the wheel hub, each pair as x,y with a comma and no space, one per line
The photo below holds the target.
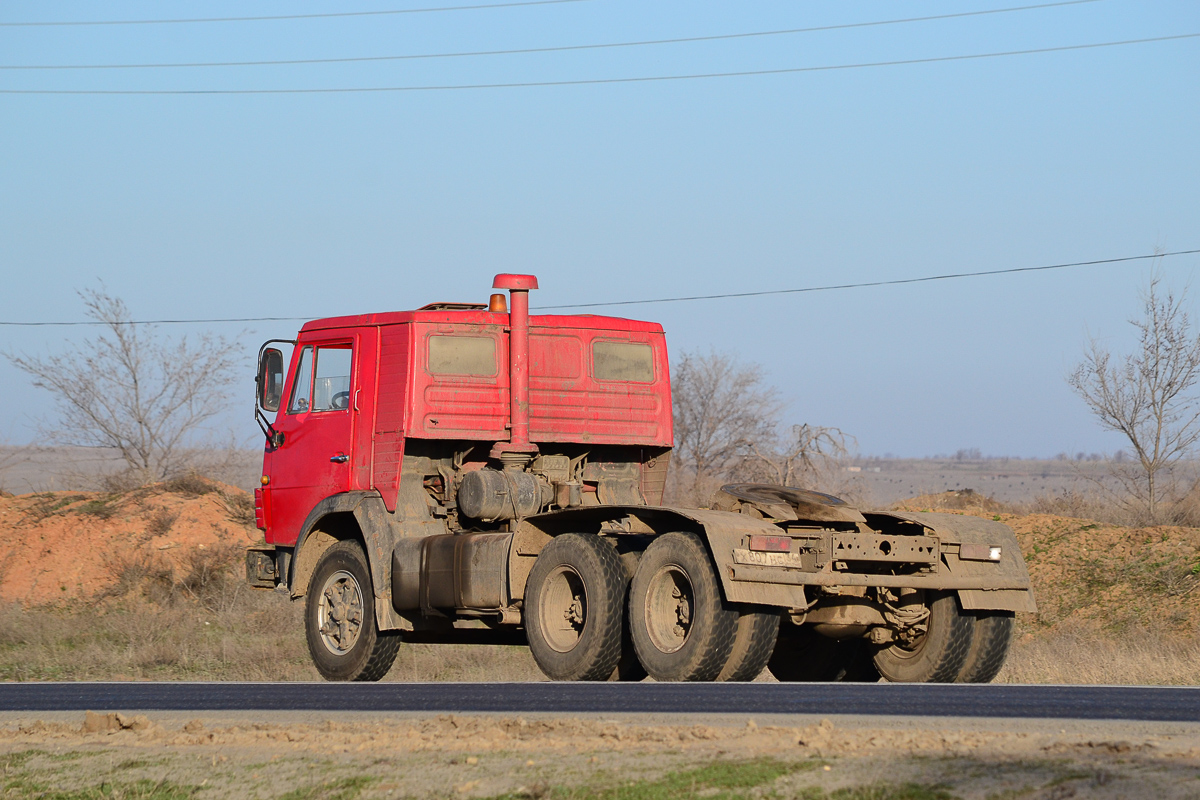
669,604
563,608
340,612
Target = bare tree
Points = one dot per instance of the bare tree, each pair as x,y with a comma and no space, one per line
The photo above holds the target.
805,458
130,390
719,407
1148,397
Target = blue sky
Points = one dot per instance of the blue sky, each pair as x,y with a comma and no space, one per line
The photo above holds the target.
321,204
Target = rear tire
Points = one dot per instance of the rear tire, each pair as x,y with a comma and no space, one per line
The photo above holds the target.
574,602
753,644
629,669
339,618
804,656
989,648
940,654
681,627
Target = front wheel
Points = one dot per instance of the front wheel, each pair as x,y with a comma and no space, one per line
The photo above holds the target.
339,619
939,653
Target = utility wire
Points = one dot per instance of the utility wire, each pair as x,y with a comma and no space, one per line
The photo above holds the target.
283,16
864,285
597,81
155,322
529,50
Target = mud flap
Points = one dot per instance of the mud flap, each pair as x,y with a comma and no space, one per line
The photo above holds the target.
963,529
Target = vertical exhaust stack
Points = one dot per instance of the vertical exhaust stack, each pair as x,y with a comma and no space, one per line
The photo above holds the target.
518,450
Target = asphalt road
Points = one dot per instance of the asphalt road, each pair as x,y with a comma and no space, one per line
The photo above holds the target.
1143,703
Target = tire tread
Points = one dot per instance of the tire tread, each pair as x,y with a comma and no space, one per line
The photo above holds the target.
989,649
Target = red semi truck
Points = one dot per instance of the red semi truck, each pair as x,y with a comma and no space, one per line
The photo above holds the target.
469,473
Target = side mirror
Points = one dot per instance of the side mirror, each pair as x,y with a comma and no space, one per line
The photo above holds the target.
270,379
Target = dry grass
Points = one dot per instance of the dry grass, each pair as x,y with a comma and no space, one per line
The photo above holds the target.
202,622
1138,658
253,639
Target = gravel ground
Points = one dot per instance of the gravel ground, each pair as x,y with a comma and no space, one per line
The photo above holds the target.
346,755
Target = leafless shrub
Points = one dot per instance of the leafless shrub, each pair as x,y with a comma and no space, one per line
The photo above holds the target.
209,580
130,390
808,456
100,507
160,522
48,504
239,507
119,482
1081,503
137,571
189,484
1148,397
727,428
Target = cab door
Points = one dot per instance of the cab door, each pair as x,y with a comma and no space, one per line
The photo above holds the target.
318,426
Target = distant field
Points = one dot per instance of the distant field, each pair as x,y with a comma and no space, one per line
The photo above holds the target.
1007,480
882,481
56,469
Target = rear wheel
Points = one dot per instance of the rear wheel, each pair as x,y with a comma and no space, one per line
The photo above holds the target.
937,655
339,617
681,627
753,643
803,655
573,607
989,648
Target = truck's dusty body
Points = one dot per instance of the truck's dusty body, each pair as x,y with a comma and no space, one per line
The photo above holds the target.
466,474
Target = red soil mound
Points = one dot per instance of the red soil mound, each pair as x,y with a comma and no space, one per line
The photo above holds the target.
57,547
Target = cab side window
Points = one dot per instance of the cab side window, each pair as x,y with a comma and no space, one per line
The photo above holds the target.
331,387
322,379
302,388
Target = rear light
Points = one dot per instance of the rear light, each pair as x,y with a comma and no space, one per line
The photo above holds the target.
770,544
979,552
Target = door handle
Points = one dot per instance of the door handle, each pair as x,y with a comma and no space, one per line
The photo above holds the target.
340,458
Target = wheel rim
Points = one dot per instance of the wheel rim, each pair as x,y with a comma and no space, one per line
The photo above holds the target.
340,612
670,608
563,609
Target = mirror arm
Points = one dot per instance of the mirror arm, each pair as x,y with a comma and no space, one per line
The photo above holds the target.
274,437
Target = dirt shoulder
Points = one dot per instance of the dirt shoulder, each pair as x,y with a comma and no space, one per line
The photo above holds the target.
268,755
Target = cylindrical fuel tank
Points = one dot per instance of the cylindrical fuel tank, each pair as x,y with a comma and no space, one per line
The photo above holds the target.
490,495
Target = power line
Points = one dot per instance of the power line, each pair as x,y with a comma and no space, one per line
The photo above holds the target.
283,16
867,284
896,282
531,50
155,322
598,81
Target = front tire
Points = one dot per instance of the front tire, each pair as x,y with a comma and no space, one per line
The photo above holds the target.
681,627
574,601
339,618
939,655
